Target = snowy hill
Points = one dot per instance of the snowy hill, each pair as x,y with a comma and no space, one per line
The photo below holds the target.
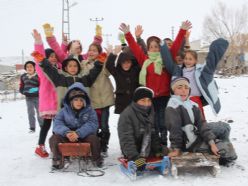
12,60
20,167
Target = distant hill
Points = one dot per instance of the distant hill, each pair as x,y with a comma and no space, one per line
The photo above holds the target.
12,60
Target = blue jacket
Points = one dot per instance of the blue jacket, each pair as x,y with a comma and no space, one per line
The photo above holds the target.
85,124
204,73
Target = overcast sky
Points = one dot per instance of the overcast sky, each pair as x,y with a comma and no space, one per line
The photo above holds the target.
19,17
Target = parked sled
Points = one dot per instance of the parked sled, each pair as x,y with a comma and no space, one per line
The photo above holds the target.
160,165
195,160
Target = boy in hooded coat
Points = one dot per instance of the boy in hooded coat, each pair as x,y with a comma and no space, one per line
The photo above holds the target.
76,122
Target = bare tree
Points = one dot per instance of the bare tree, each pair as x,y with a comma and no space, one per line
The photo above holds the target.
231,24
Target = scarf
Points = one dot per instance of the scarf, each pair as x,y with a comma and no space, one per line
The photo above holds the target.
154,57
145,115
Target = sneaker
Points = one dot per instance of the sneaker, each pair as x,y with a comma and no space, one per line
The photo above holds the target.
41,151
31,130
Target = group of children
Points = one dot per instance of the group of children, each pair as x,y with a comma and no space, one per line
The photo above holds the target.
153,95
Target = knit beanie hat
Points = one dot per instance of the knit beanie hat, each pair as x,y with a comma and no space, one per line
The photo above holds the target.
179,81
75,93
29,62
142,92
48,52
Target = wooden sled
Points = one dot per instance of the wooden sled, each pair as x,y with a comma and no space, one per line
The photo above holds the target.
195,160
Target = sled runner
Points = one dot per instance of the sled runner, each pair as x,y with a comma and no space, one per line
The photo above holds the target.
161,165
81,152
194,161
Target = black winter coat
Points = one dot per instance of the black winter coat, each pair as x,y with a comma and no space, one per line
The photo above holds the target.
132,124
126,82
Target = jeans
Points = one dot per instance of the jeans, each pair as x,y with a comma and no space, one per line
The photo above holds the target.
32,105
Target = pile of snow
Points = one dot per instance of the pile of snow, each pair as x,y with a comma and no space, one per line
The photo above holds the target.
21,167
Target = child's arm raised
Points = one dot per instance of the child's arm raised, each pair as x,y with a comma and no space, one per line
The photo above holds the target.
52,42
168,62
186,25
217,50
53,75
89,79
138,32
135,48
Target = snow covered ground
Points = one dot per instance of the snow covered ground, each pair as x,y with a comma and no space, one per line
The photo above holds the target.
20,167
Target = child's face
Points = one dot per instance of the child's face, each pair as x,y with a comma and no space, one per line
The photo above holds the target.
78,103
30,69
126,65
189,60
154,47
182,91
53,59
179,60
93,52
146,102
72,68
75,48
169,43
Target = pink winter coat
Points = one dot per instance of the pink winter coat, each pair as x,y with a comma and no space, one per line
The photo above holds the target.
47,92
61,51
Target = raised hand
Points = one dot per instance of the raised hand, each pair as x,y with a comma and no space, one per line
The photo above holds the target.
186,25
38,57
98,30
138,31
121,37
37,37
64,39
109,49
102,57
48,29
124,28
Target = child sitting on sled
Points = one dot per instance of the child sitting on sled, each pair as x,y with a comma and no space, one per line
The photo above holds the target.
188,130
76,122
136,130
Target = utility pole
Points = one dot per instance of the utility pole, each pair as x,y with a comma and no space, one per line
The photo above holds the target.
107,38
22,56
66,17
172,33
96,20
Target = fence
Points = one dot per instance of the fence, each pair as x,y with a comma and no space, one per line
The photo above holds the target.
10,95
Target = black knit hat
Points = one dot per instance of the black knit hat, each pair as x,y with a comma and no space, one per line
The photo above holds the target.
142,92
48,52
66,61
29,62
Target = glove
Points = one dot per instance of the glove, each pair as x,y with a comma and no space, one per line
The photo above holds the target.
33,90
98,30
140,164
102,57
37,56
122,38
98,40
186,25
48,30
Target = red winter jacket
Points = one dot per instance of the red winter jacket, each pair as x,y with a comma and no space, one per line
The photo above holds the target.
160,84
